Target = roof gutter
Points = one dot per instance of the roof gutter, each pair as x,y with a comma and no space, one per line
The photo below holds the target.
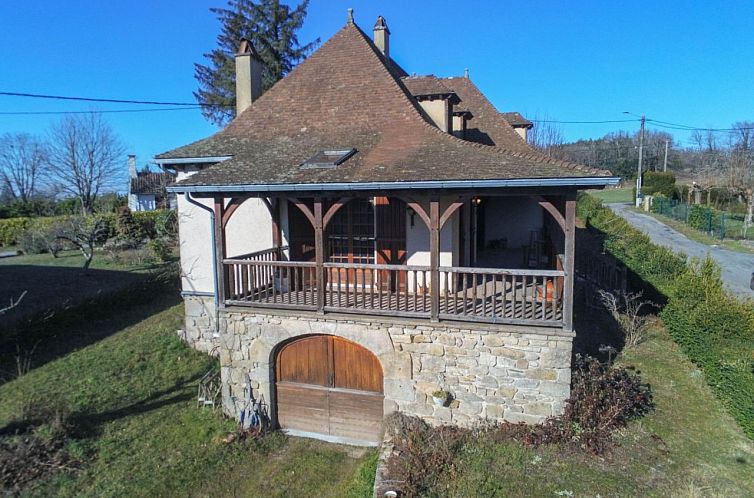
215,273
583,182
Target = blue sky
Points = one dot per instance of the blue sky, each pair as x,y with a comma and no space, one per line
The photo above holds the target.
682,62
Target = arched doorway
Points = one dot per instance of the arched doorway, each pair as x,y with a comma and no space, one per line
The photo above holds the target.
331,388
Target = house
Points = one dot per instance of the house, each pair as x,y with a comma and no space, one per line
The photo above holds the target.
357,239
147,189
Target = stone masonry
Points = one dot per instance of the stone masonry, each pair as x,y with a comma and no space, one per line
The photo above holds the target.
495,372
199,332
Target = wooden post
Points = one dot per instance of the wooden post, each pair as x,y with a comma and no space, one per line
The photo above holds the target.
277,237
319,251
222,284
434,259
568,266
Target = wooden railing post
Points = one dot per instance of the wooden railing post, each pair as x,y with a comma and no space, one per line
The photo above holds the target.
319,251
434,259
222,284
568,266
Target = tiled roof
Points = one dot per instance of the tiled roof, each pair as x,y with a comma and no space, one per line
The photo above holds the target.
346,95
421,86
515,119
151,183
488,126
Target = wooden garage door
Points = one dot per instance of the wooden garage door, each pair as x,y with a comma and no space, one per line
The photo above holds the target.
330,387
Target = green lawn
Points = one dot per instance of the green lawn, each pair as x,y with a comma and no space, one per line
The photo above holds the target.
610,194
54,282
139,432
689,446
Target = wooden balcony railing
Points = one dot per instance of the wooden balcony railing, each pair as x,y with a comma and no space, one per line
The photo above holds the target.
490,295
501,295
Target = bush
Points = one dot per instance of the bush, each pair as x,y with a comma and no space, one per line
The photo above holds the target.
657,182
146,221
603,398
126,229
166,224
714,329
703,218
159,249
11,230
41,236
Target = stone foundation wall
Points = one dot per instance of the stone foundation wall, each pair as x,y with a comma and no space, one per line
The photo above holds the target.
199,331
518,374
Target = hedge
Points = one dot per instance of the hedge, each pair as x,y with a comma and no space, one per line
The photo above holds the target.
658,182
714,329
148,222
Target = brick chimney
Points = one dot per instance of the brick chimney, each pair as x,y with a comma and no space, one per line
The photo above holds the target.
248,76
382,36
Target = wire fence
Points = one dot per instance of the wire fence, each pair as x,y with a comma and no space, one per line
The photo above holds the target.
716,223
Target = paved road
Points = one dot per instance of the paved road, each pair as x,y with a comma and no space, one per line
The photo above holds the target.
736,267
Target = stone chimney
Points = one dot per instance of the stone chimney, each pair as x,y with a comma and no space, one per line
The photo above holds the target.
248,76
382,36
132,166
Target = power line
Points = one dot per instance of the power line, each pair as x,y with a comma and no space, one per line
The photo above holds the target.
114,101
585,122
162,109
194,105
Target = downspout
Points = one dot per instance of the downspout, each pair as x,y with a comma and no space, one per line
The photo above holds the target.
211,212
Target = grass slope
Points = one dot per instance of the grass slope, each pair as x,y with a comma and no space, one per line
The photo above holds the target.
609,195
140,432
689,446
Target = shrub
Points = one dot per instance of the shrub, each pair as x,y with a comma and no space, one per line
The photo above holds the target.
146,221
658,182
703,218
126,229
166,224
159,249
603,398
714,329
11,230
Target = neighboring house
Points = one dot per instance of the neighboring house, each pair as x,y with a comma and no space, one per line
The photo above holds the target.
147,189
347,254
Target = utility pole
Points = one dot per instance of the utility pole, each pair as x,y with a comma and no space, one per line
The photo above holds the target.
641,157
665,162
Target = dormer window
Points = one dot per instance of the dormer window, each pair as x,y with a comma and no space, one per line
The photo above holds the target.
328,158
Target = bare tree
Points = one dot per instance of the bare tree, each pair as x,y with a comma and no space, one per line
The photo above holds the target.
85,157
625,309
739,168
22,162
546,136
84,232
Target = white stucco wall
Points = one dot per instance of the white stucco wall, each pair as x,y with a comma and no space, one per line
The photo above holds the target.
417,239
195,238
249,229
511,218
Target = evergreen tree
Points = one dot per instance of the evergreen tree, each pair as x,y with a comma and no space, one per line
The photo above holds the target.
271,27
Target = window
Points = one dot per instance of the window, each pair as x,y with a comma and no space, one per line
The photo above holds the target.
350,233
328,158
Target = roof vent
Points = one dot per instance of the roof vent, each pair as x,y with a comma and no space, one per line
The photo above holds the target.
328,158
